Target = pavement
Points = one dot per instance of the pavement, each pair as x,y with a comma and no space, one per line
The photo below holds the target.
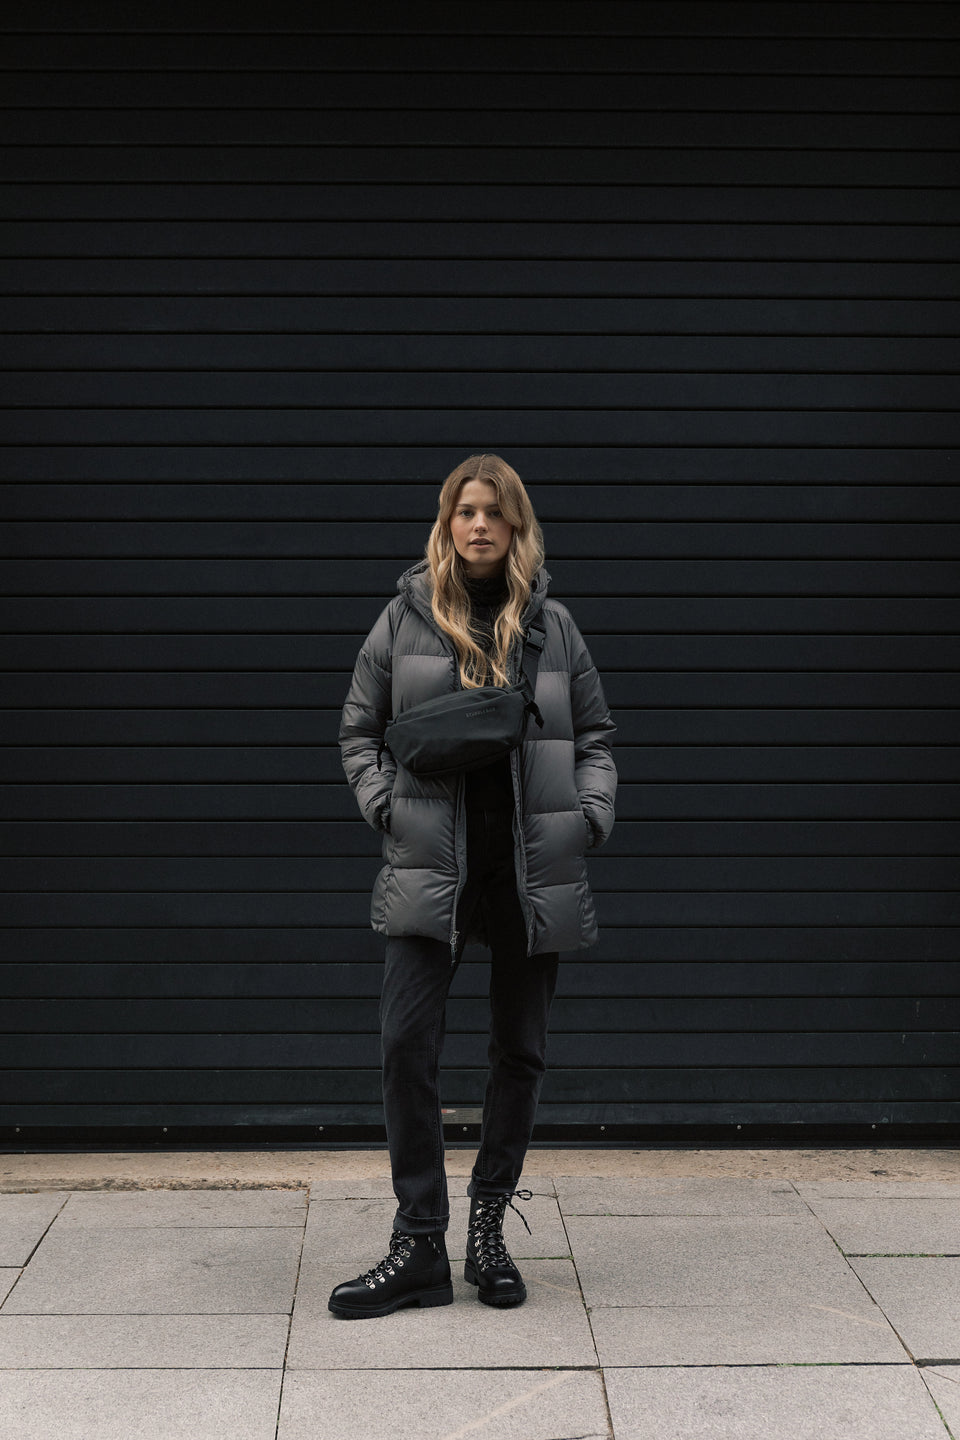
673,1295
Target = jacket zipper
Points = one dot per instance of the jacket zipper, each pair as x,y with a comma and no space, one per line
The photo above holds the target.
520,849
460,818
520,861
459,822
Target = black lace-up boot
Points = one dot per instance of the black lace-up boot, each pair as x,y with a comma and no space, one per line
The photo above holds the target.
415,1271
488,1263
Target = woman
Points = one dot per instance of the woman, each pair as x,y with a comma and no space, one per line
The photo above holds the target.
494,855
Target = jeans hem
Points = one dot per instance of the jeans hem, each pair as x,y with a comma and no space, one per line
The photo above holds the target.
420,1224
487,1189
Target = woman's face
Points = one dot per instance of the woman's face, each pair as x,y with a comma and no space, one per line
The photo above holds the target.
479,532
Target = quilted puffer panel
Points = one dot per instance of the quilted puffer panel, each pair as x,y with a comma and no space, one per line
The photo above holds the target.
567,775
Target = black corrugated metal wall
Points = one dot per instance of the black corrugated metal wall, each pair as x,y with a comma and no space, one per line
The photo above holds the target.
269,274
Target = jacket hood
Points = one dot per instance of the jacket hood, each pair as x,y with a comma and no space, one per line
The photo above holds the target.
414,586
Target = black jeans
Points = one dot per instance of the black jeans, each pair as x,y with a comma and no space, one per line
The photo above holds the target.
413,1002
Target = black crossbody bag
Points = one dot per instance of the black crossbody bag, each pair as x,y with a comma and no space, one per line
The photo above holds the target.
467,728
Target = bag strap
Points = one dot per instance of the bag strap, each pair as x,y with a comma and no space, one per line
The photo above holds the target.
534,641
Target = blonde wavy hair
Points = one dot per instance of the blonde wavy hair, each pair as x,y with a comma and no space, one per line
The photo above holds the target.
451,601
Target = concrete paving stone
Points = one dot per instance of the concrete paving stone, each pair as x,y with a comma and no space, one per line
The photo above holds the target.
763,1333
943,1382
99,1271
8,1278
358,1231
550,1328
891,1227
139,1404
104,1342
23,1221
429,1405
348,1230
855,1402
690,1196
879,1189
707,1260
921,1299
159,1209
360,1188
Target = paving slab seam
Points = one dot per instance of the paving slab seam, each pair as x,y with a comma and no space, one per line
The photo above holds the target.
826,1229
933,1398
293,1306
917,1363
586,1311
22,1268
763,1365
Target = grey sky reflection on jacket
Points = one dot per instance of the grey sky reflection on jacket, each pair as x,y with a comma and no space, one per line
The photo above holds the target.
565,773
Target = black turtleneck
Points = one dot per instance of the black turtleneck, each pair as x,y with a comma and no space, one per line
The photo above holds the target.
486,600
490,787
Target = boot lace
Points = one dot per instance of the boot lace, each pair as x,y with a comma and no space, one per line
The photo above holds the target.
400,1248
487,1228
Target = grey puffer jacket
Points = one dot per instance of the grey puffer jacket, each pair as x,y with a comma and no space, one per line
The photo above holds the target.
564,777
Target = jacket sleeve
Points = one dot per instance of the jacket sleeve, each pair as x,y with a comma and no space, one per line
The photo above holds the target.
366,711
593,731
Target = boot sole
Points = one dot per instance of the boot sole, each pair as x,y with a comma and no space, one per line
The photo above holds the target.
501,1301
440,1295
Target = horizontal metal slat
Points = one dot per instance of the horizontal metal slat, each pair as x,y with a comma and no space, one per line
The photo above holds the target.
389,276
638,838
410,353
647,1052
405,499
587,539
473,390
418,121
918,985
518,54
261,1087
629,909
301,1029
471,198
682,959
333,871
213,427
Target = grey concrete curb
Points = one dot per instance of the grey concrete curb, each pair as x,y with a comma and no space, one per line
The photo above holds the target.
293,1169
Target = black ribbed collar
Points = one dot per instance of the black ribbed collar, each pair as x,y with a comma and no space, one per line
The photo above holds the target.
488,590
